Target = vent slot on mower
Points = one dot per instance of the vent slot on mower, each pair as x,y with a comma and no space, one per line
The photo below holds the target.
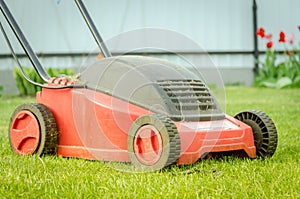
192,99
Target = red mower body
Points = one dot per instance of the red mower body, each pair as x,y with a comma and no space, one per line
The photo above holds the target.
95,125
96,130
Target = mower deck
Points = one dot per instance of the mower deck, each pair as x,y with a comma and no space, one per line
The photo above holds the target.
91,127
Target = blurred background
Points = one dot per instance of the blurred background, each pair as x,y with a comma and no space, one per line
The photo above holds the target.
225,30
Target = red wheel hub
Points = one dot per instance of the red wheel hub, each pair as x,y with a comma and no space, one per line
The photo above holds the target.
24,133
148,145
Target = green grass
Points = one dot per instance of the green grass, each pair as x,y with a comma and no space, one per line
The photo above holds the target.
57,177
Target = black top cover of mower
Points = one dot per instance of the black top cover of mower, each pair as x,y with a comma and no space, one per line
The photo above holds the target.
154,84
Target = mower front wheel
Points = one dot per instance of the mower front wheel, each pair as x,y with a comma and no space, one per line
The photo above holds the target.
264,131
153,142
33,130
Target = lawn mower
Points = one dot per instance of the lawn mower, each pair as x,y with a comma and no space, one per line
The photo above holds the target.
138,109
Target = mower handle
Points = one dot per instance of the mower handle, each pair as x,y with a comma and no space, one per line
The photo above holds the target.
93,28
27,48
24,43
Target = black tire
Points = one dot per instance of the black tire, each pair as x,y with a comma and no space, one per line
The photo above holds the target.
48,134
264,131
169,136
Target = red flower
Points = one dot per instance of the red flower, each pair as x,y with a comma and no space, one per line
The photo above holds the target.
281,37
269,44
268,36
291,41
260,32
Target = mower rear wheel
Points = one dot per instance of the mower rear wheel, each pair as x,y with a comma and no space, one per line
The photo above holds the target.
264,131
153,142
33,130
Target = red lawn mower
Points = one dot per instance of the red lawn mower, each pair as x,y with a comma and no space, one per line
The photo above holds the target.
137,109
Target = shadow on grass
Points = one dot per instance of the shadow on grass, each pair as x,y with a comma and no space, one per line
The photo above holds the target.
207,164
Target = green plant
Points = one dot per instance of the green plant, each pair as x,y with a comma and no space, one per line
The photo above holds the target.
26,88
282,74
1,90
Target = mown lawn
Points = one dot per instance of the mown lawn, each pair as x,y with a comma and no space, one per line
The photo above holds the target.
57,177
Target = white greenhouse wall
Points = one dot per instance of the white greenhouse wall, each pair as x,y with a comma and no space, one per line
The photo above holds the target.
56,26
